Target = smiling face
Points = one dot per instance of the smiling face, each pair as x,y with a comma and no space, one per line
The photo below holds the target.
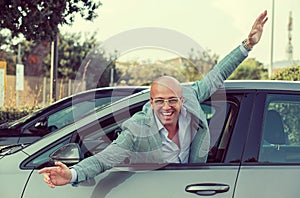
163,89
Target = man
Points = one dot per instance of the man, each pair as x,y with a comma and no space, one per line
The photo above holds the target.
170,129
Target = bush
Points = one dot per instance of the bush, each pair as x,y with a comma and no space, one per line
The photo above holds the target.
290,73
13,113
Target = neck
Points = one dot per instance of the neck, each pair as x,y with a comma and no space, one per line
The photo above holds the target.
172,131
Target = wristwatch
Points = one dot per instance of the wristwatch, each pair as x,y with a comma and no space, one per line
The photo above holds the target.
246,46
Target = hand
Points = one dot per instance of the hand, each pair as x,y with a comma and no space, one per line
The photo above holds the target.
257,29
58,175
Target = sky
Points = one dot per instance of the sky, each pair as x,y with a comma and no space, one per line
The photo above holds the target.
216,25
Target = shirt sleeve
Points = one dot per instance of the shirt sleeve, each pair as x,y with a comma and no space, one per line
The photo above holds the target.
74,176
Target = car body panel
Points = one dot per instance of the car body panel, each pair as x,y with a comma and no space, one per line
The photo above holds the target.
13,180
268,181
149,183
272,170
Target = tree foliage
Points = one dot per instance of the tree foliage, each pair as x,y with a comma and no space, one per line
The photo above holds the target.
289,73
198,64
90,63
39,19
72,49
8,52
184,69
250,69
5,40
144,72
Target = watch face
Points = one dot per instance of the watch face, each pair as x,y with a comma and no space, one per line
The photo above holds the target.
244,43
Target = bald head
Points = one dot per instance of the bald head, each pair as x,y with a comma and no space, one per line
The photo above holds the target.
163,83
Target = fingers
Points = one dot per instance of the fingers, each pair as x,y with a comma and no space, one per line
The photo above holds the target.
262,19
47,174
61,165
257,28
49,169
45,170
47,180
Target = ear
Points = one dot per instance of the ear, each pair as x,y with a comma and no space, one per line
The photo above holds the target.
182,100
151,102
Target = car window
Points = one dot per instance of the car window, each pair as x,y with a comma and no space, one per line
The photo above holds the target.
103,101
42,156
223,115
71,113
78,110
281,130
97,136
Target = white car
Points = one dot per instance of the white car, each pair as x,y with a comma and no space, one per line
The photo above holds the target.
255,150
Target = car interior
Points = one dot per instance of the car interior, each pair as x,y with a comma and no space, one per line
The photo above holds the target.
279,143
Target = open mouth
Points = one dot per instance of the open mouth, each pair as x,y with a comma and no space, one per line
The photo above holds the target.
167,115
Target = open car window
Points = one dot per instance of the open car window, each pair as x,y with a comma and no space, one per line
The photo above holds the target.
97,135
220,115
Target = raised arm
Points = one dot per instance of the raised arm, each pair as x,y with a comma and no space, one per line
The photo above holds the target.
215,78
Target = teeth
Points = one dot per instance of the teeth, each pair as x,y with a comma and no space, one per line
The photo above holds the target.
166,114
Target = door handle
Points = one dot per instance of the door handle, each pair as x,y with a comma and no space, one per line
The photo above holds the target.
207,189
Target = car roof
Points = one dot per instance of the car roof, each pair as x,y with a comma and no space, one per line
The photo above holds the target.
241,85
117,88
263,85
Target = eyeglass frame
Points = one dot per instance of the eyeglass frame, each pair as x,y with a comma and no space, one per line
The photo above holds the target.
166,101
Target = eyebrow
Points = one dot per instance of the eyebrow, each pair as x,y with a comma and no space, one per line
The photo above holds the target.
165,98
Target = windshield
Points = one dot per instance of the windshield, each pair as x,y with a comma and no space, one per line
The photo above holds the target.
22,119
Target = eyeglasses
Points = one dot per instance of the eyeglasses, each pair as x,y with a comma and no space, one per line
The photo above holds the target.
161,102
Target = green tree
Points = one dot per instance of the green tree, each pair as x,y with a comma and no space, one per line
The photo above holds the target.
96,69
250,69
72,48
32,55
5,38
39,20
198,64
291,73
6,51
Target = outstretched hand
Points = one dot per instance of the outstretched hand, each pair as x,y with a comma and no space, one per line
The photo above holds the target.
58,175
257,29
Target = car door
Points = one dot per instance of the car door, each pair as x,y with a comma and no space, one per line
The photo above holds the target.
271,164
215,178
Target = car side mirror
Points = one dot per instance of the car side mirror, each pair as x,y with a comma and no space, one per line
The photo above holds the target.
69,154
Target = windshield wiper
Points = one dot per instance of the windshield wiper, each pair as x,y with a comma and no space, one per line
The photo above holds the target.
9,149
4,125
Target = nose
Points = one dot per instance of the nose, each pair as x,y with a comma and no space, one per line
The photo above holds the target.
166,105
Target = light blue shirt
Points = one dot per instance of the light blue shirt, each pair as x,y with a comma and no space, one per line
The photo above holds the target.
171,152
